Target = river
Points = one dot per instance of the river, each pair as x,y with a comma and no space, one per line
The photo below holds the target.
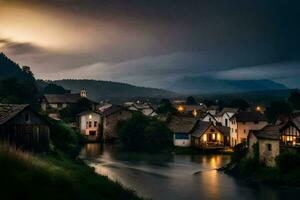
175,177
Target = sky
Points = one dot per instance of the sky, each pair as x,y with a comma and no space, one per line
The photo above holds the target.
154,43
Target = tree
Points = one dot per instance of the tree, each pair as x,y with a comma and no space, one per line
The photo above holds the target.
239,103
166,107
54,89
294,100
141,133
69,113
276,109
191,101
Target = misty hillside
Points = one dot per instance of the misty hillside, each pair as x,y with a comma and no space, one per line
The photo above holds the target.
204,85
10,69
100,90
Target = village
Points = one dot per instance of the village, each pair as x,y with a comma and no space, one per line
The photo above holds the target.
192,125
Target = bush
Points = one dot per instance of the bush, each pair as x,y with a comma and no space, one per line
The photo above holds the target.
64,138
143,133
288,162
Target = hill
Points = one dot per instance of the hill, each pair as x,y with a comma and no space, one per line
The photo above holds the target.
10,69
205,85
100,90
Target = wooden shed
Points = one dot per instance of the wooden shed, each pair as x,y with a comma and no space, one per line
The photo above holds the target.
23,128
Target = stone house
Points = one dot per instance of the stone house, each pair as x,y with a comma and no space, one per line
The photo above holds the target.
268,143
110,118
22,127
243,122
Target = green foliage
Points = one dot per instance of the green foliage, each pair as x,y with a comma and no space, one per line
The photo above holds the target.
288,162
166,107
141,133
53,177
65,139
239,103
70,113
16,91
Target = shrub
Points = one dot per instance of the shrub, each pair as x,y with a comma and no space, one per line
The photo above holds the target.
143,133
288,162
64,138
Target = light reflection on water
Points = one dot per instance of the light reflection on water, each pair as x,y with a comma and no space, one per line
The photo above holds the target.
176,176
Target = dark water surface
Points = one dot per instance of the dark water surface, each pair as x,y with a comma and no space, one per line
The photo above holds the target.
174,177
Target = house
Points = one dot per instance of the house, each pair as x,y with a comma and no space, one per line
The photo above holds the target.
224,116
242,122
56,102
103,106
182,128
208,117
145,108
89,124
22,127
268,144
208,136
110,118
290,131
213,110
194,110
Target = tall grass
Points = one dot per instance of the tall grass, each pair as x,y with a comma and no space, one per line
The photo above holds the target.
24,176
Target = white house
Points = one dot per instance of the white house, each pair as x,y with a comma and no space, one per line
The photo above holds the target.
224,116
242,122
89,124
182,128
209,118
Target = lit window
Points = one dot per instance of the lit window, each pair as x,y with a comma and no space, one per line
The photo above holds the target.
90,116
213,136
204,137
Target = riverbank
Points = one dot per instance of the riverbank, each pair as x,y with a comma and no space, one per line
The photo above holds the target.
285,173
54,176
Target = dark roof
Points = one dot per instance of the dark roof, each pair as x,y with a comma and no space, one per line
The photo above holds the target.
9,111
223,129
201,128
249,116
111,110
87,112
178,124
270,132
226,110
62,98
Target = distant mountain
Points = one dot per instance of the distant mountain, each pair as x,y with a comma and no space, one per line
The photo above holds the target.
101,90
204,85
10,69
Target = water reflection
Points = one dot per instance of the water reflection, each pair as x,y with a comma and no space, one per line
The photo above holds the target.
176,176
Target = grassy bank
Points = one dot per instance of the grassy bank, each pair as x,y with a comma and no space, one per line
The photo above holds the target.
24,176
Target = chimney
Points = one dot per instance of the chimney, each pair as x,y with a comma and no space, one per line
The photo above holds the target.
83,93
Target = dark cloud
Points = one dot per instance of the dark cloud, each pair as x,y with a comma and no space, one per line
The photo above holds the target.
17,48
147,42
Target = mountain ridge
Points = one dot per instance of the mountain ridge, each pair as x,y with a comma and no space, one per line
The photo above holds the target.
206,85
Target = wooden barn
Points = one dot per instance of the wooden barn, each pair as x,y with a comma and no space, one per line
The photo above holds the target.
23,128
